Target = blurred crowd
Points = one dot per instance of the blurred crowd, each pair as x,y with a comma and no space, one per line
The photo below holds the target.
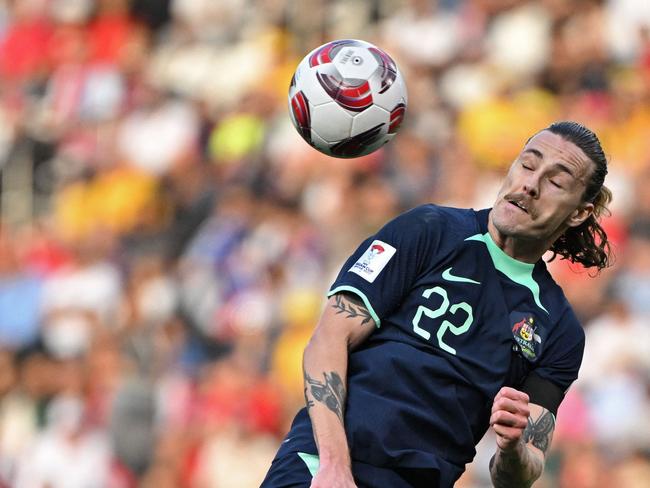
166,236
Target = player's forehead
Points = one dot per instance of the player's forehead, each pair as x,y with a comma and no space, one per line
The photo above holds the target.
555,149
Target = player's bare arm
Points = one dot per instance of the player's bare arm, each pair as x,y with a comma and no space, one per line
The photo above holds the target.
330,392
344,324
524,433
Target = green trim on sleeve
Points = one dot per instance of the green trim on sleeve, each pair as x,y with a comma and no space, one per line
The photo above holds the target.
361,295
311,460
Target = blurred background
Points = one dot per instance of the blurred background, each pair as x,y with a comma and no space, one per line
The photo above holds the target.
166,237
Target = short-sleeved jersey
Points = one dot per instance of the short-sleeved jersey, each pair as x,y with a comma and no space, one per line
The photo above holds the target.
457,319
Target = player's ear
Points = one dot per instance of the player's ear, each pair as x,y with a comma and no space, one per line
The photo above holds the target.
580,214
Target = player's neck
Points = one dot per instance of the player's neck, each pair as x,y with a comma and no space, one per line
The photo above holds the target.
524,250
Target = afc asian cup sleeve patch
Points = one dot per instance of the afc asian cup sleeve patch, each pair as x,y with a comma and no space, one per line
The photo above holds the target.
373,261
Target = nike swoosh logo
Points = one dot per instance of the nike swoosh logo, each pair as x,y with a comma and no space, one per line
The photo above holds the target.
446,275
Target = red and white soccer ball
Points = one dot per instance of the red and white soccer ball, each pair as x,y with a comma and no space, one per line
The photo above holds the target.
347,98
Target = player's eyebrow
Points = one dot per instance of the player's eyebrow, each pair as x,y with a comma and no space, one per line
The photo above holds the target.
535,152
563,167
559,165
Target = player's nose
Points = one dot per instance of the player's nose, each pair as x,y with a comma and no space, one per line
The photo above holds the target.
530,185
531,190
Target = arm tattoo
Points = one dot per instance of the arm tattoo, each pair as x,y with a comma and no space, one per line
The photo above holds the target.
539,432
331,392
352,306
308,402
511,470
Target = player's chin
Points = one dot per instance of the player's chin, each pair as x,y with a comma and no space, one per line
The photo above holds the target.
510,226
524,233
507,217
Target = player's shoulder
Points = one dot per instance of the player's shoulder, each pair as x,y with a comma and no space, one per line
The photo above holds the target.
567,321
559,307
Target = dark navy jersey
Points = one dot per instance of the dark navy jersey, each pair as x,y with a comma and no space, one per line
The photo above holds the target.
457,319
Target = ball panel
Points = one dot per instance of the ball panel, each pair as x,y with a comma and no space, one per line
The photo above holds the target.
351,94
327,52
356,98
321,144
376,145
395,94
307,82
356,63
396,117
360,144
301,116
331,122
371,117
388,71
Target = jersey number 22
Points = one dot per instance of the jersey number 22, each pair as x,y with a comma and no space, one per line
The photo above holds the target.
438,312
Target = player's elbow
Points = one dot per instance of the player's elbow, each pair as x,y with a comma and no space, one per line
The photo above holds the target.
327,337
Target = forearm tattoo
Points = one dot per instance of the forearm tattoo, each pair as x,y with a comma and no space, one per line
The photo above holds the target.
539,432
353,307
308,402
331,392
511,470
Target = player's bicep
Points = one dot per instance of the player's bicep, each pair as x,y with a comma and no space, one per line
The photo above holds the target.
346,316
538,434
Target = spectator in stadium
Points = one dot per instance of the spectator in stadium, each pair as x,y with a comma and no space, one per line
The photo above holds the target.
471,332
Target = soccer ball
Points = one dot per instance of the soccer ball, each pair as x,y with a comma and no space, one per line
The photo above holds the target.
347,98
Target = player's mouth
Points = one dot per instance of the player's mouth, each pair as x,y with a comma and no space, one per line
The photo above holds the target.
519,204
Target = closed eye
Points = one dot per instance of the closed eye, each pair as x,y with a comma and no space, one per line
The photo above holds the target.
555,184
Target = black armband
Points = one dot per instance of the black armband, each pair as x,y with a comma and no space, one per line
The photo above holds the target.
543,392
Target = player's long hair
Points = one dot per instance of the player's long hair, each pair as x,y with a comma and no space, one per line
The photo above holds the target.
587,243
